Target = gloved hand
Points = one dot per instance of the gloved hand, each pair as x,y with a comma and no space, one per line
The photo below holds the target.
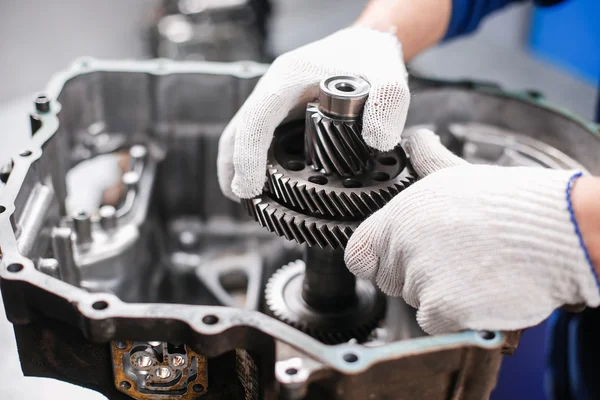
293,81
475,246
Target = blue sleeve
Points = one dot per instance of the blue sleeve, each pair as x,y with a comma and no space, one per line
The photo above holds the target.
467,14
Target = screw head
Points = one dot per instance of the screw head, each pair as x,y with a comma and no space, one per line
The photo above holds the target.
143,361
163,372
178,361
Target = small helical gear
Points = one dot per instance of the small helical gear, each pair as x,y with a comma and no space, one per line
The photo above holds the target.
299,187
356,322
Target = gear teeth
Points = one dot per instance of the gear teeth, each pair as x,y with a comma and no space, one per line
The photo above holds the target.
276,307
331,203
335,146
295,226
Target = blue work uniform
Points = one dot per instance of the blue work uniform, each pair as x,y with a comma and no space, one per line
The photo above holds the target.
574,338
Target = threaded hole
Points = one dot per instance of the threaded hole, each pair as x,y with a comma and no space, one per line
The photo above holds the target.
100,305
487,335
26,153
291,371
350,357
295,165
318,179
15,267
210,319
380,176
351,183
387,161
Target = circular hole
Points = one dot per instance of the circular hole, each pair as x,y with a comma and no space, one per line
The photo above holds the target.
380,176
351,183
100,305
15,267
121,344
125,385
210,319
345,87
387,161
291,371
26,153
350,357
318,179
487,335
163,372
198,388
295,165
2,209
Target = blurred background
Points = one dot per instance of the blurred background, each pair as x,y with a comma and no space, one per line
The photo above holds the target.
519,48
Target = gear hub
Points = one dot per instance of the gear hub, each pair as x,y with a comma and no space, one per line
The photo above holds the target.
322,181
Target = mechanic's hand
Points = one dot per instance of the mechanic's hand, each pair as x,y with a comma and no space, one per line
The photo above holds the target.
293,81
474,246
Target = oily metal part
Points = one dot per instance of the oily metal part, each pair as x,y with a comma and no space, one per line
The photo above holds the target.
356,322
148,370
304,190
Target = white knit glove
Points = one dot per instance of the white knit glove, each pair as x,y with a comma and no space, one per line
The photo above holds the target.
293,81
476,246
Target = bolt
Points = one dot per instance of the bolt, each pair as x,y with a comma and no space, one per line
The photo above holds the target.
108,218
178,361
143,362
163,372
131,179
188,240
42,103
137,155
83,227
121,344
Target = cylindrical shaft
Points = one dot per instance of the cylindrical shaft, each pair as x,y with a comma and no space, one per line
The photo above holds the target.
328,285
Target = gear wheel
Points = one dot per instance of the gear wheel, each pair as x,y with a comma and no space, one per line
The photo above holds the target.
355,322
296,226
299,187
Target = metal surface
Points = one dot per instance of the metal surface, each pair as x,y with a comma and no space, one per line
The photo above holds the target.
223,30
147,370
155,275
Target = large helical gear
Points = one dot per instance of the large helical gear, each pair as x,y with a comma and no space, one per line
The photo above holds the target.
356,322
317,194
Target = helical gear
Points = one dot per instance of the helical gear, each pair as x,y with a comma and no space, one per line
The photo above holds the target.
340,327
304,190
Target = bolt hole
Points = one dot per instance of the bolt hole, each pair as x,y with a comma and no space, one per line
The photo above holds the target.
26,153
210,319
351,183
380,176
100,305
345,87
198,388
2,209
125,385
350,357
387,161
295,165
318,179
291,371
15,267
487,335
